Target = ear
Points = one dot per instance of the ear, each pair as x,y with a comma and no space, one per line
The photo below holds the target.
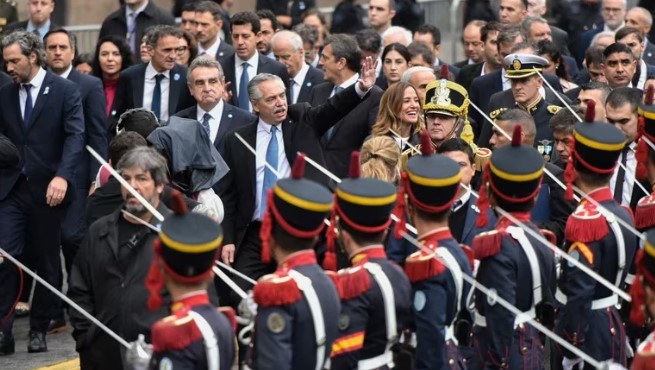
255,106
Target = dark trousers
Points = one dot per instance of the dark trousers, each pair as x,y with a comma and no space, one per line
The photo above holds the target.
29,226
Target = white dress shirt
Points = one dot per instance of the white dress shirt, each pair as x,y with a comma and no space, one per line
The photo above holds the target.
67,72
215,121
45,27
253,64
212,50
298,82
149,89
347,83
629,178
462,201
36,82
283,168
643,71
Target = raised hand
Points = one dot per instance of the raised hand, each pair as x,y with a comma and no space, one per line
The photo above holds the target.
367,75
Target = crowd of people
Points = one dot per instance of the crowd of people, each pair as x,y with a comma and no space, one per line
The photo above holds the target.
469,205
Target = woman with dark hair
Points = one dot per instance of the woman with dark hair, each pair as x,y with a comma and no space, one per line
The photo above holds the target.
188,42
112,55
556,66
84,63
396,59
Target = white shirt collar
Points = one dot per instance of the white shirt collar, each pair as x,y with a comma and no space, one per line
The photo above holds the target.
300,76
45,27
351,81
212,50
37,81
216,112
463,200
67,72
266,127
253,61
607,29
151,72
129,11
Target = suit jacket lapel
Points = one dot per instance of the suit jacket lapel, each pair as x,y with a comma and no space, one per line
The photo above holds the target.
138,87
287,134
174,93
15,102
251,138
230,76
42,96
472,212
224,124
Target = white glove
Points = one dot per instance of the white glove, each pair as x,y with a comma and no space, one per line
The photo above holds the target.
248,307
138,355
570,364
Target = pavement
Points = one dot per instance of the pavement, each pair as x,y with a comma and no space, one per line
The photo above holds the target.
61,353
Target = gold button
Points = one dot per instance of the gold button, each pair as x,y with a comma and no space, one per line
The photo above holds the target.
524,350
613,331
451,362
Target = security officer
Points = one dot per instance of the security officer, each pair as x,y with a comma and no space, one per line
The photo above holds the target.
197,335
643,302
446,113
375,293
8,13
513,264
588,317
298,305
429,187
521,70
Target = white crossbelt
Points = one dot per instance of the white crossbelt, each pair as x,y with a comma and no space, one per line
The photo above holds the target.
456,270
386,358
210,340
305,285
535,269
613,299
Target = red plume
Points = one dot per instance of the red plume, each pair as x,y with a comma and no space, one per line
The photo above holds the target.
330,259
483,200
569,173
401,207
516,136
590,114
642,157
426,143
355,167
178,205
298,170
650,94
267,225
155,280
443,73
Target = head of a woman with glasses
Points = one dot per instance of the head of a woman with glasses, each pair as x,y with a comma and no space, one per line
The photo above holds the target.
189,49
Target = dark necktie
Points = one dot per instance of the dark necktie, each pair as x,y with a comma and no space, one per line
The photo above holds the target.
330,132
205,124
156,96
269,176
620,176
243,88
27,114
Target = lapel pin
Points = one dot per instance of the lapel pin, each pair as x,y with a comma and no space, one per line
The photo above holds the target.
309,84
220,54
113,113
475,208
176,76
229,115
46,90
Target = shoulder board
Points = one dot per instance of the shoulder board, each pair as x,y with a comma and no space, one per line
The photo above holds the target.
174,333
586,225
333,276
353,282
647,347
470,255
552,109
420,266
230,314
487,244
496,112
645,213
274,290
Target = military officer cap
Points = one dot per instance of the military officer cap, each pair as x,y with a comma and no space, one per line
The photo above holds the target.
523,65
297,205
513,174
186,249
430,182
443,96
364,204
645,263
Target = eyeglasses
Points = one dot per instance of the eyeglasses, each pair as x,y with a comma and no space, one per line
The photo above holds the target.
179,50
612,10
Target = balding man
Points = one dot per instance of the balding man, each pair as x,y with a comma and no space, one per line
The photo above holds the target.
380,14
396,34
288,49
613,13
641,19
473,44
538,8
537,28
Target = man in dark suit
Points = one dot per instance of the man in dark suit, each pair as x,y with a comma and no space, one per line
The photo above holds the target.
490,63
39,19
209,21
207,85
613,13
642,19
159,85
537,29
60,51
244,189
634,39
43,117
340,60
9,156
288,50
133,19
430,35
473,44
247,62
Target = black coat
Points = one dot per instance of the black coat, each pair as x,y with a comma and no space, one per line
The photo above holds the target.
8,153
313,78
468,73
22,25
152,15
347,18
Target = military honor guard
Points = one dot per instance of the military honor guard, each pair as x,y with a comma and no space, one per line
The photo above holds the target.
197,335
643,302
589,318
375,293
298,305
645,210
513,264
429,187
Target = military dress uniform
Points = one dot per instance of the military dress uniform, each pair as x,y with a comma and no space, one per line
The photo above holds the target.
430,184
298,305
375,293
589,318
645,354
645,210
197,335
513,264
520,66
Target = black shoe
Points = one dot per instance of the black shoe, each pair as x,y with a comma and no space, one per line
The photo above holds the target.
6,344
37,342
57,325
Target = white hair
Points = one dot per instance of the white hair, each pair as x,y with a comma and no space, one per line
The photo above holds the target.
602,34
293,38
409,73
398,30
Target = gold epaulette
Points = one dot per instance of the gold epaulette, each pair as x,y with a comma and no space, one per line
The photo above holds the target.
274,290
495,113
553,109
586,224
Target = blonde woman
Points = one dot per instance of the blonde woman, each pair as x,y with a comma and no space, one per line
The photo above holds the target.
380,159
400,116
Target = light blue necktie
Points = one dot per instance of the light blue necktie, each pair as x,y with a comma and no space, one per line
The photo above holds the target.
330,132
243,88
156,96
205,124
269,176
131,31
